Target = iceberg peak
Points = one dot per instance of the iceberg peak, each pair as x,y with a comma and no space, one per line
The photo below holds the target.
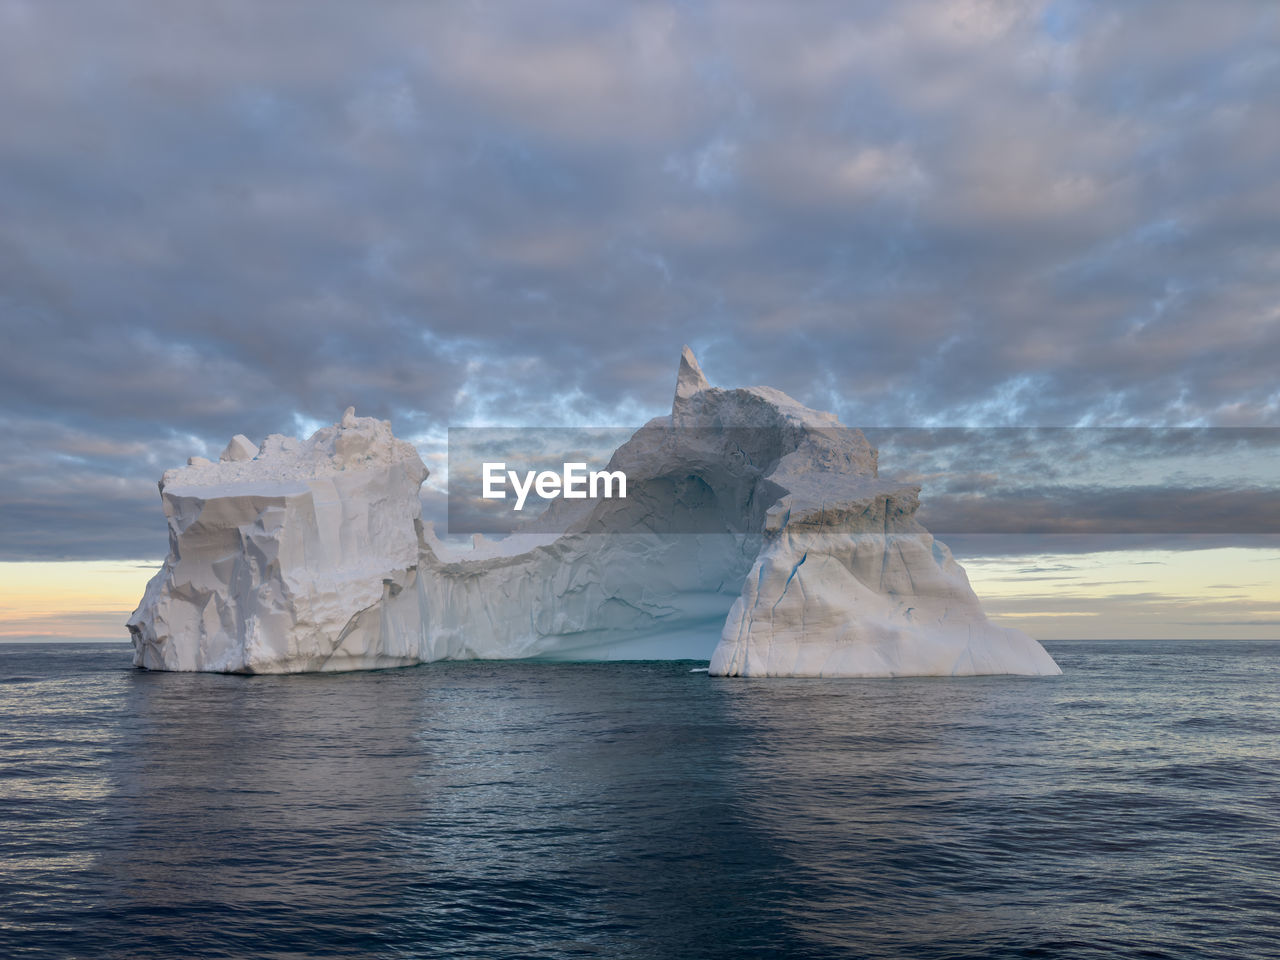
690,380
240,448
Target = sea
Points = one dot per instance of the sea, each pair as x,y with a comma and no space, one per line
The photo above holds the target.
1129,808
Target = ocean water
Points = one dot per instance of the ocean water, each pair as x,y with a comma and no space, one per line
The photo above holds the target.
1130,808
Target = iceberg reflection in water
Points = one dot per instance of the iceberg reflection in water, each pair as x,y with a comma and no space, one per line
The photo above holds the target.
497,809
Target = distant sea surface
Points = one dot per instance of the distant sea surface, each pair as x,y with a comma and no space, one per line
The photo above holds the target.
1129,808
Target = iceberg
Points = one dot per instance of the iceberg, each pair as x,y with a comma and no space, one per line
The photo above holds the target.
749,519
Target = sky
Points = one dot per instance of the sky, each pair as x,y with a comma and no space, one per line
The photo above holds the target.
244,217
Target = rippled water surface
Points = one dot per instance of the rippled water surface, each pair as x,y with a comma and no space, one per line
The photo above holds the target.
1128,808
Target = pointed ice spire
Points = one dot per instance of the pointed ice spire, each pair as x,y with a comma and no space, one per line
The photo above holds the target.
690,380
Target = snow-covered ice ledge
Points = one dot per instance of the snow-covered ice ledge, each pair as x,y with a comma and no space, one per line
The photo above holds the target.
307,556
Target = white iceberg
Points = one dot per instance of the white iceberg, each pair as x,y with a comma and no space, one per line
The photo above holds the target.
748,517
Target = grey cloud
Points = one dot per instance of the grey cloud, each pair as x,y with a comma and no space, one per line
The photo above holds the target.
969,545
218,219
1233,623
1093,510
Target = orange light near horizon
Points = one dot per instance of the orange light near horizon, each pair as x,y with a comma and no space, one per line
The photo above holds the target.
71,599
1223,592
1228,592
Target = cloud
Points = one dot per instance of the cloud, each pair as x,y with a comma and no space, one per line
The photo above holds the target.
235,218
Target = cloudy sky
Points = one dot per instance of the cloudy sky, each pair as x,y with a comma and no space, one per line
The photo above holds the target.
242,217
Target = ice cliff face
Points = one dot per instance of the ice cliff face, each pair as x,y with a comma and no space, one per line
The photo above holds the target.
273,552
748,516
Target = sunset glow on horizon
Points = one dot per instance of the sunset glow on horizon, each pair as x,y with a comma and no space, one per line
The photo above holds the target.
1225,592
